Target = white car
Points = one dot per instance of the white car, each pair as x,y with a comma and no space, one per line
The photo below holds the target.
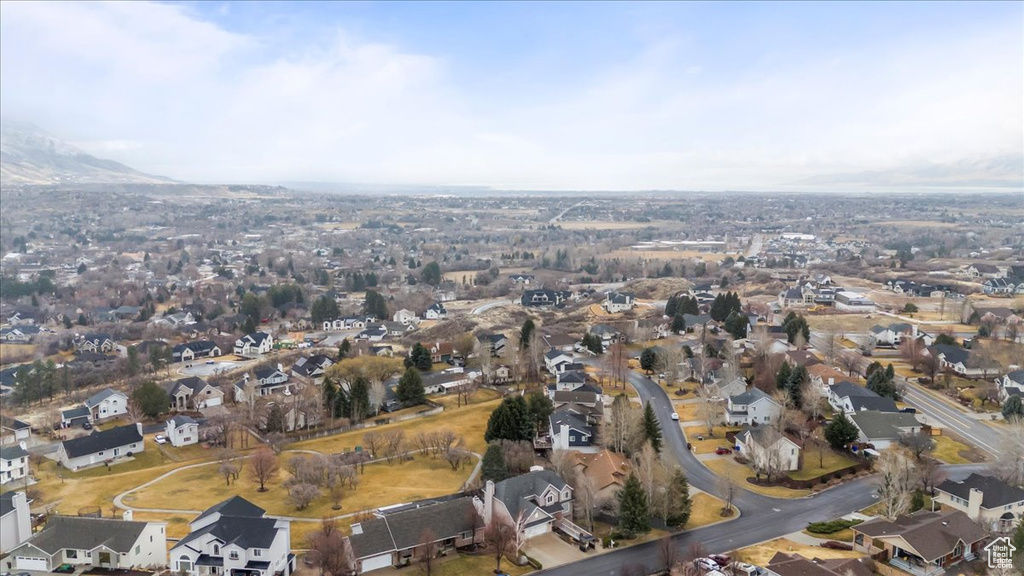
744,569
675,416
160,439
706,564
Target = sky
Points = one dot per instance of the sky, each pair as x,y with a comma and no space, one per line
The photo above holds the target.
534,96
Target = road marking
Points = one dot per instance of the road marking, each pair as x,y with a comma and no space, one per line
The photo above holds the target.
776,509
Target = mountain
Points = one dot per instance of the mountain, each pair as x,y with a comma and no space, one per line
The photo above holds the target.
29,155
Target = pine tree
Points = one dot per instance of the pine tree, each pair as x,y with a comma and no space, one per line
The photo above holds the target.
526,333
634,517
493,466
276,419
359,398
678,324
794,384
410,388
782,376
1018,543
840,432
540,408
647,359
679,504
419,357
511,420
671,306
652,430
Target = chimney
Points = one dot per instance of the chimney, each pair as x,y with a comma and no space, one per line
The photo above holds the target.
127,516
974,504
488,502
280,367
138,425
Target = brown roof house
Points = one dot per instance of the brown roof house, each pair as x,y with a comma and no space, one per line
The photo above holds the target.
923,543
605,470
795,565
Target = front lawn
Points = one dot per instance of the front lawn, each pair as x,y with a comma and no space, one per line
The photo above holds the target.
811,469
706,510
950,451
381,484
463,565
739,473
762,553
710,443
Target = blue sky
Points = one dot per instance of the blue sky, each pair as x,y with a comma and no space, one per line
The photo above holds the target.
610,96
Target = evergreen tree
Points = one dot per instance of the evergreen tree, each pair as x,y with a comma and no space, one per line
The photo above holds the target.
671,306
511,420
324,309
917,501
794,325
250,325
1013,408
652,430
882,384
493,466
344,348
540,409
342,407
152,399
359,399
431,273
526,333
648,358
840,432
1018,543
782,376
689,305
375,305
276,421
410,388
736,325
419,358
678,324
634,516
679,503
795,383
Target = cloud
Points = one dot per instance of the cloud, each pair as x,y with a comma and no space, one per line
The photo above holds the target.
159,88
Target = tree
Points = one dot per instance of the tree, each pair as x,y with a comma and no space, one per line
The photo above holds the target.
1010,460
677,500
652,429
263,467
736,325
250,306
151,398
493,466
881,383
134,363
431,274
910,308
229,466
634,516
782,376
332,552
624,425
592,342
1013,408
648,358
344,348
540,409
426,550
912,350
302,494
359,398
945,338
1018,543
796,325
499,536
375,305
511,420
276,420
840,432
678,324
896,483
917,443
410,388
419,357
324,309
526,333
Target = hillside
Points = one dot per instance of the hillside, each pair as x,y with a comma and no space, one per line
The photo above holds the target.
29,155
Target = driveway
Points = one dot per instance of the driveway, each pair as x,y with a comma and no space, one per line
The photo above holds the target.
552,551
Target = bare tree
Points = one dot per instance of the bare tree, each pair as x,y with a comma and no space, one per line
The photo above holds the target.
668,552
336,491
897,481
300,495
820,444
811,400
465,391
377,394
917,443
499,536
457,458
229,466
1010,462
727,492
931,474
707,409
646,464
518,456
586,500
133,411
394,444
374,443
850,362
332,553
912,350
263,467
426,550
830,344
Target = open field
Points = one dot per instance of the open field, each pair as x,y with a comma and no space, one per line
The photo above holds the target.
380,484
451,401
68,491
663,255
739,473
833,461
918,224
339,225
762,553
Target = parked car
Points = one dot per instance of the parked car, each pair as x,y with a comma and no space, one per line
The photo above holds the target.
87,425
675,416
160,439
720,559
722,452
744,569
706,564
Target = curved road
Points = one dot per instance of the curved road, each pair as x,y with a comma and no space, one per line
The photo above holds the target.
761,517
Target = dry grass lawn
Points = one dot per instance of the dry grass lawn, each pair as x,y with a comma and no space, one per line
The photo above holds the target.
950,451
477,565
380,484
832,461
710,443
451,401
95,487
739,473
689,413
845,535
762,553
706,510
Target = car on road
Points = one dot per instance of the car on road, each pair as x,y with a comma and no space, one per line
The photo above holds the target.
675,416
160,439
210,362
706,564
720,559
723,451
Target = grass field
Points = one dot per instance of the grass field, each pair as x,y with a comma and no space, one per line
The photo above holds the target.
739,473
833,461
709,444
451,401
379,485
762,553
706,510
949,450
69,491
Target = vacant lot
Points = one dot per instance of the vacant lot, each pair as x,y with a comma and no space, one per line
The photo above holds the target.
379,485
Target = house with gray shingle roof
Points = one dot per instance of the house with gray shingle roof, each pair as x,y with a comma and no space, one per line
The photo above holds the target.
883,429
536,501
751,407
13,463
985,499
922,543
108,446
100,542
15,520
107,403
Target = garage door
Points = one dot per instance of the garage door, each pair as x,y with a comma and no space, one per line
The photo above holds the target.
28,563
215,401
537,530
376,562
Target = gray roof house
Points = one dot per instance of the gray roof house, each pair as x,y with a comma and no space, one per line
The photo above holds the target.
101,446
985,499
101,542
15,520
571,431
882,429
750,407
850,398
107,403
535,501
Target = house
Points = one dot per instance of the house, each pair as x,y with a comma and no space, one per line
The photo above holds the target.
440,351
254,344
823,376
617,302
922,543
999,286
750,407
767,449
653,328
106,403
544,297
392,537
101,446
698,322
962,361
182,431
893,334
443,382
175,320
569,430
265,381
311,370
192,350
535,502
78,415
437,311
724,389
397,329
555,360
986,500
983,270
374,332
803,358
524,279
607,334
19,334
883,429
405,317
1011,384
606,470
494,343
103,543
569,380
13,431
851,398
502,373
381,350
194,393
559,341
95,342
13,464
15,520
796,298
234,538
783,564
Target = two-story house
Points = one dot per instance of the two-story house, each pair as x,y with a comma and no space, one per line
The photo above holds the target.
617,302
568,429
13,464
15,520
751,407
194,393
994,504
95,342
850,398
311,370
556,360
493,343
182,431
234,538
437,311
254,344
265,381
536,501
190,351
107,403
768,449
1011,384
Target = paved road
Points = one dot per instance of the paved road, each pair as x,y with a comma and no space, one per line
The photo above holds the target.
762,518
493,304
564,212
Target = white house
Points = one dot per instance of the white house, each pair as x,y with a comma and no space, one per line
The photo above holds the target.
751,407
405,317
189,351
1011,384
100,542
13,464
15,520
265,381
883,429
182,431
13,431
254,344
555,358
987,500
101,446
437,311
106,403
618,302
767,449
893,334
235,538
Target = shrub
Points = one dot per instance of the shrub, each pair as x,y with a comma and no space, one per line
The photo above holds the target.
831,527
833,545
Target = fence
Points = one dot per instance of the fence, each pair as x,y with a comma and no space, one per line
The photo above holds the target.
434,408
